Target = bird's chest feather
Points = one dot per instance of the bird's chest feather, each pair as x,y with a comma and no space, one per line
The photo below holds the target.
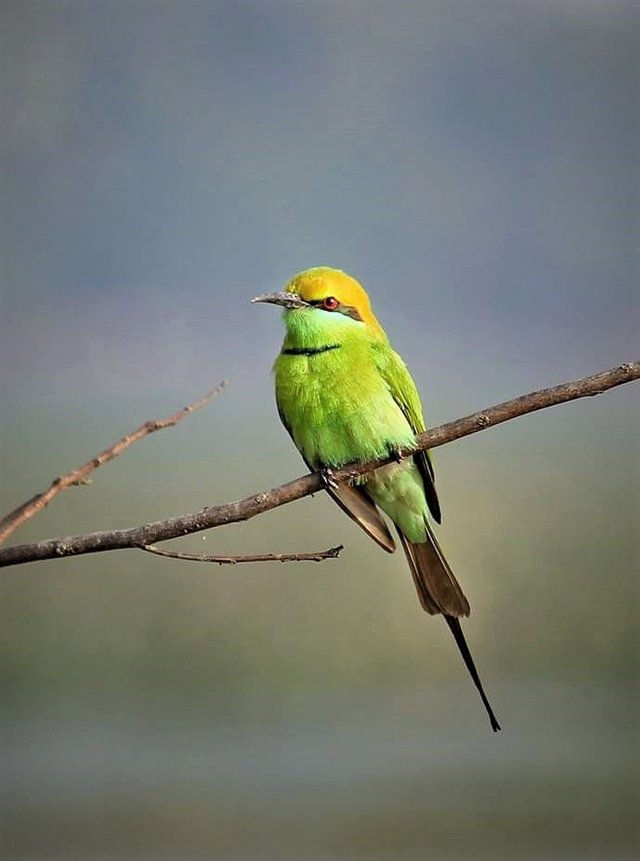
337,406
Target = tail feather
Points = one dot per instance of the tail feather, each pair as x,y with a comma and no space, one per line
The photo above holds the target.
437,587
456,630
440,592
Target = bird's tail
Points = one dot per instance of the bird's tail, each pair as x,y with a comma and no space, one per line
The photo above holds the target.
437,587
440,592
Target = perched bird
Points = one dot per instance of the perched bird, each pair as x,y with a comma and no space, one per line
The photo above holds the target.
344,395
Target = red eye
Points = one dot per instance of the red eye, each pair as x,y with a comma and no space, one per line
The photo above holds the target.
330,303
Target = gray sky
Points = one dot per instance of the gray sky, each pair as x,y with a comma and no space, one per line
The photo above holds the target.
473,164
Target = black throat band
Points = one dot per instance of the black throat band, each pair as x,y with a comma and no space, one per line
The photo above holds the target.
308,351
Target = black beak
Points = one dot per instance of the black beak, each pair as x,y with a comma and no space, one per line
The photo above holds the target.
285,300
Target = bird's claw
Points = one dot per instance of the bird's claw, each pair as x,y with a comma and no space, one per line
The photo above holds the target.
396,455
328,480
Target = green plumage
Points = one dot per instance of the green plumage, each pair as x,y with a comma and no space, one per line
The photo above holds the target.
346,396
353,403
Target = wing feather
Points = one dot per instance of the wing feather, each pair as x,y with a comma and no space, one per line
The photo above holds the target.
404,392
355,502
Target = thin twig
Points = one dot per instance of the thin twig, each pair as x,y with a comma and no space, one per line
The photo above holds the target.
234,512
320,556
78,476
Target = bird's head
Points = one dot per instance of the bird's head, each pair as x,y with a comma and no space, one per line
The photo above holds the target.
327,296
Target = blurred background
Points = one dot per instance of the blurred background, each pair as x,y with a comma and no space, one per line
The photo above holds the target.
474,165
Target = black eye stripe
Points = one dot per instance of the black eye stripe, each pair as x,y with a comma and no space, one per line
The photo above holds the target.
350,311
347,310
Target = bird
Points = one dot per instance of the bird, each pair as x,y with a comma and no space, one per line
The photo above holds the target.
345,396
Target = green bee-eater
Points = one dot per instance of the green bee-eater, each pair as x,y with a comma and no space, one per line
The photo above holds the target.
344,395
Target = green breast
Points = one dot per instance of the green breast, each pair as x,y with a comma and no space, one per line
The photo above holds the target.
337,406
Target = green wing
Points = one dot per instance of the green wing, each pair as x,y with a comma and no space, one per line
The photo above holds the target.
403,390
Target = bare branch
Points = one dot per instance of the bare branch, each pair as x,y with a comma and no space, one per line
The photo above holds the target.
78,476
233,512
320,556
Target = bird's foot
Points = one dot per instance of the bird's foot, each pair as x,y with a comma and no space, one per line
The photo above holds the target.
395,454
328,480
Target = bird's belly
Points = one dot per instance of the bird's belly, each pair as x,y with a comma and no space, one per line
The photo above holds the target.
399,491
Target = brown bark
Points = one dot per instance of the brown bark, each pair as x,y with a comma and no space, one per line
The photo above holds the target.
244,509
